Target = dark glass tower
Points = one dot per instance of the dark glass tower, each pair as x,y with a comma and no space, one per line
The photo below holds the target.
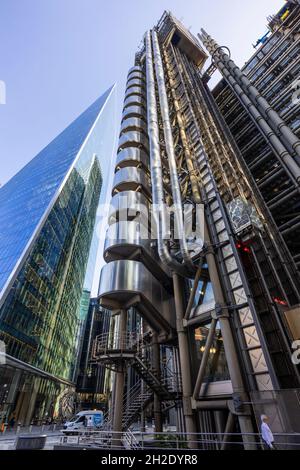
48,212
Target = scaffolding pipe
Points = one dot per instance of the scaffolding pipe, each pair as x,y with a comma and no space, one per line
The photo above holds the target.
156,166
165,113
278,125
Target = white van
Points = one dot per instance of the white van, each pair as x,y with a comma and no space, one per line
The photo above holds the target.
79,422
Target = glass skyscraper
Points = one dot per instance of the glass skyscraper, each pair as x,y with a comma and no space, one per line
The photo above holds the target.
47,220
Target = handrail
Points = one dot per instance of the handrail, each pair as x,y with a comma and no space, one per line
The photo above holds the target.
175,440
120,341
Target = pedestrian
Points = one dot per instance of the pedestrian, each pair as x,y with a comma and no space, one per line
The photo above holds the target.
12,422
90,423
266,433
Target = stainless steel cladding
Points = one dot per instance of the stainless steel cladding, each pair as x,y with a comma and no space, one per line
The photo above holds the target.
129,205
129,178
132,156
128,283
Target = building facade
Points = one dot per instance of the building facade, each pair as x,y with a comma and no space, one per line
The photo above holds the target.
93,381
48,212
219,307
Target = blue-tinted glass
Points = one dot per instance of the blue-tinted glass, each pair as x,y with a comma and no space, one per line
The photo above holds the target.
26,197
40,312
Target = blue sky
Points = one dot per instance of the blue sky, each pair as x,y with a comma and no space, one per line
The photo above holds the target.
57,56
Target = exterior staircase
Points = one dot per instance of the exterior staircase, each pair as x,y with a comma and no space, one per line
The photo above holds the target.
134,349
135,401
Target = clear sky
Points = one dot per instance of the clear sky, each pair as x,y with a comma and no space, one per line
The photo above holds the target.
57,56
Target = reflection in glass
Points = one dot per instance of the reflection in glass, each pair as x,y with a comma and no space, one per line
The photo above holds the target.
52,203
216,368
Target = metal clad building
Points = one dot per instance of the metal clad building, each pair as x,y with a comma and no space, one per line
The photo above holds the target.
218,314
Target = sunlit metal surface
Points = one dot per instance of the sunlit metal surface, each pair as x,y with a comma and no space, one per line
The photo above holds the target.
132,156
125,281
122,236
130,179
130,240
134,91
134,124
133,139
134,111
129,205
135,69
135,82
134,100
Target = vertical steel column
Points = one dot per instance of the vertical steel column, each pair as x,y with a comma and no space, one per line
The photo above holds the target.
157,403
158,200
282,153
230,350
228,430
184,363
278,125
205,358
229,345
119,385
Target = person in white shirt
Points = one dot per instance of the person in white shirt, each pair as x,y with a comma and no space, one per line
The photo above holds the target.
266,433
90,422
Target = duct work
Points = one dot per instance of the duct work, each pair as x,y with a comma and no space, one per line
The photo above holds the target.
272,126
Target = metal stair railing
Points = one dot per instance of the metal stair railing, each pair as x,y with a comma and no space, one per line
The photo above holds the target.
134,401
130,442
106,343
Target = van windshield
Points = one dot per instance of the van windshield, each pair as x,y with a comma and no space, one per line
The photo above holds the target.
72,420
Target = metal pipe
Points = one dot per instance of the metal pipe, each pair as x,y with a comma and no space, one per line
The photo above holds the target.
165,113
156,166
280,150
229,346
283,254
188,157
212,405
276,123
157,403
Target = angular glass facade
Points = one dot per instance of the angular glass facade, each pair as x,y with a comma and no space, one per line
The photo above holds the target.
26,197
48,212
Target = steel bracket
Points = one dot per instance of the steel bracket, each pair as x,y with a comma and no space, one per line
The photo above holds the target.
220,311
